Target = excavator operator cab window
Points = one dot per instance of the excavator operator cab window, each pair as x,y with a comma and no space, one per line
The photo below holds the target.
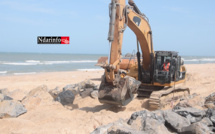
165,66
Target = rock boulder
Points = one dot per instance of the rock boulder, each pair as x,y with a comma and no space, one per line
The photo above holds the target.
38,97
210,101
55,92
175,122
192,114
11,108
66,97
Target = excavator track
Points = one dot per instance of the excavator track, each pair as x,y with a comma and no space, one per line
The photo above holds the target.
157,97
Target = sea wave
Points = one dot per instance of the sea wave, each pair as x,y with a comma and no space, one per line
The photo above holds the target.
66,62
3,72
36,62
19,63
90,69
202,59
24,73
54,62
32,61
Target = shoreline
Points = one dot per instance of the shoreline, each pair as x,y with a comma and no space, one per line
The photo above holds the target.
51,79
35,73
77,70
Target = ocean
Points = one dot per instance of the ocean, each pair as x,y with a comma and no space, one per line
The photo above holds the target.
32,63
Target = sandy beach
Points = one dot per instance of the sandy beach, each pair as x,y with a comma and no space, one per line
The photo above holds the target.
85,114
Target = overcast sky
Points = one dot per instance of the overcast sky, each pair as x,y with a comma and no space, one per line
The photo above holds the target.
177,25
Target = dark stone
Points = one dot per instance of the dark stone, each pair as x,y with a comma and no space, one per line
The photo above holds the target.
86,92
190,101
4,91
210,101
87,84
196,128
69,87
211,97
210,113
102,129
54,92
5,94
207,122
73,87
83,88
1,97
213,118
175,122
94,94
118,127
157,115
5,97
66,97
11,108
148,122
123,130
192,114
182,104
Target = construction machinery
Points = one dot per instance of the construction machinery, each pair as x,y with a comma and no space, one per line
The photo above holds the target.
142,74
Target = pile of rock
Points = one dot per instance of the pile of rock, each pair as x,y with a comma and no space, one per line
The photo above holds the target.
210,101
84,88
67,96
10,107
42,96
178,120
186,120
38,97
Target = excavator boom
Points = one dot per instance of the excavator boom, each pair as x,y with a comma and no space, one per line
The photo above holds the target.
116,89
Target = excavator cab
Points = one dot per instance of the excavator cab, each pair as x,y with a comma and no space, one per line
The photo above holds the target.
174,73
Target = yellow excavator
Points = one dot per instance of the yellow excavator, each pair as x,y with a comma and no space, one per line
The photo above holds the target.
142,73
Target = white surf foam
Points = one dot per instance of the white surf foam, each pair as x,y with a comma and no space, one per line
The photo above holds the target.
19,63
67,62
90,69
24,73
3,72
192,60
54,62
32,61
85,61
36,62
202,59
208,59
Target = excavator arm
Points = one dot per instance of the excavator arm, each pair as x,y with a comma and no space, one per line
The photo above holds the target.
121,16
114,88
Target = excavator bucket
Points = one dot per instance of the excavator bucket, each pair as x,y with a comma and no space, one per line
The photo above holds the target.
120,94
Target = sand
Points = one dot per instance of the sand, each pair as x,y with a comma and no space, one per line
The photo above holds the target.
85,114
